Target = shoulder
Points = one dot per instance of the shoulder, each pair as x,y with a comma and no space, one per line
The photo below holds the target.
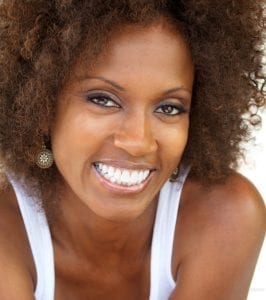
219,234
234,203
16,265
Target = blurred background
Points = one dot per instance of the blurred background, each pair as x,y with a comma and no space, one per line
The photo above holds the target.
254,167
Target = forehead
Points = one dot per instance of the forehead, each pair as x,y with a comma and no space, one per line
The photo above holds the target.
135,44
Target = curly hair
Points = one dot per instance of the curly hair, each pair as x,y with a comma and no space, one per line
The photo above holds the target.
40,40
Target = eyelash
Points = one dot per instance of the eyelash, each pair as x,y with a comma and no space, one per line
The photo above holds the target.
105,101
102,100
176,108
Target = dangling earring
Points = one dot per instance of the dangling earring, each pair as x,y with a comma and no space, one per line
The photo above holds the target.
174,175
44,158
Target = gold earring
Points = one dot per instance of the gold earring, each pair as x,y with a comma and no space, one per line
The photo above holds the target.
44,158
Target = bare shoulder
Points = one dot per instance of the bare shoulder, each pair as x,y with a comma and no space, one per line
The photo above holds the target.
238,204
16,265
235,200
219,234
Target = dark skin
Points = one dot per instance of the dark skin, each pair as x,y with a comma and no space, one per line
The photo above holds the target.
225,216
102,244
112,228
108,264
218,237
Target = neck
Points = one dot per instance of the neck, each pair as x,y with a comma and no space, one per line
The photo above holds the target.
92,237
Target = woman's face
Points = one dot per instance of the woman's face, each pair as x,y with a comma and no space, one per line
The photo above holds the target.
122,126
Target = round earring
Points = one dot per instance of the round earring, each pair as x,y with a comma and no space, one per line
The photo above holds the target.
174,175
44,158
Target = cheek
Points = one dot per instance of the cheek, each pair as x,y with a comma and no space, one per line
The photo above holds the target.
173,141
80,135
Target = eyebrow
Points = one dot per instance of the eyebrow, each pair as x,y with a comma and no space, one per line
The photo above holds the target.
176,89
117,86
114,84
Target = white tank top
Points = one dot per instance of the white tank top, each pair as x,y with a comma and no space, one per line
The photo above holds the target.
162,282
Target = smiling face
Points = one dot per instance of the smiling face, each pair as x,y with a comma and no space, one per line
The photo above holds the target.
122,126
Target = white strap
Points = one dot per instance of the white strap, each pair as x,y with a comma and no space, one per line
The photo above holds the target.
40,242
162,281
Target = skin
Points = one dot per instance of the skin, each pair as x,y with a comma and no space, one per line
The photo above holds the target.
102,237
137,134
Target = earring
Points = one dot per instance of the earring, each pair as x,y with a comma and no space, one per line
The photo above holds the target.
174,175
44,158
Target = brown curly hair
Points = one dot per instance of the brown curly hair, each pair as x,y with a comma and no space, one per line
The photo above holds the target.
40,41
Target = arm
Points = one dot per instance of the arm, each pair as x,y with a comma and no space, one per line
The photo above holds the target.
15,280
225,239
16,266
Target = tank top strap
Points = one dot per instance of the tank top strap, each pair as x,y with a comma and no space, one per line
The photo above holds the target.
162,282
39,236
40,242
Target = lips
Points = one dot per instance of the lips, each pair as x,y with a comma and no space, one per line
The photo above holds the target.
122,176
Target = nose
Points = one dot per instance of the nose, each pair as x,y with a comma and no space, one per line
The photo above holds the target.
135,135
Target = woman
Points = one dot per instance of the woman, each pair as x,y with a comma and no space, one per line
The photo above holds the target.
120,131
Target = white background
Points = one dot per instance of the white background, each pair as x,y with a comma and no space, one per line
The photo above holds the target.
255,169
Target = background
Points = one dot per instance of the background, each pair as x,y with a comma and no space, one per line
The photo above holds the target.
254,167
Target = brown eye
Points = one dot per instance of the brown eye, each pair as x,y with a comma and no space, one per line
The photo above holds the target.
102,100
170,109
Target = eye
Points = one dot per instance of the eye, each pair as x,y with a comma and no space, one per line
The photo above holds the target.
102,100
170,109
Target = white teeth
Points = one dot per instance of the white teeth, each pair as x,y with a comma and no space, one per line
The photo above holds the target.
122,176
117,176
125,177
104,168
146,173
134,176
140,176
111,171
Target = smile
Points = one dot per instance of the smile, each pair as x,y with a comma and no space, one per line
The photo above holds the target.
123,177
